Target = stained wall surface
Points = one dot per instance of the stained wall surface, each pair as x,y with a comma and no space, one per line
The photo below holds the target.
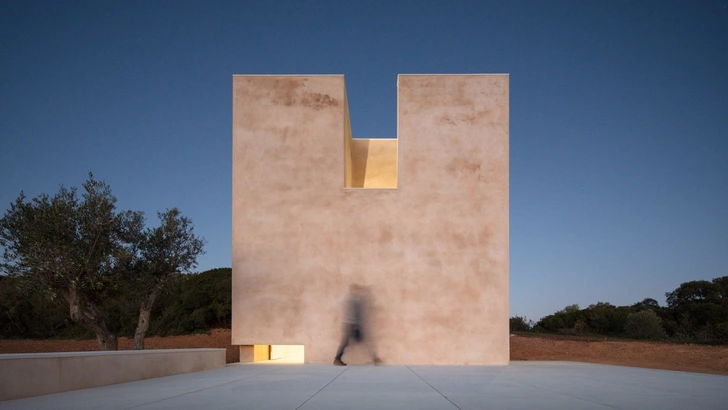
433,251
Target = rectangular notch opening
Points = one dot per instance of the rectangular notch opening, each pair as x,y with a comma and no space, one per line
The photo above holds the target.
369,162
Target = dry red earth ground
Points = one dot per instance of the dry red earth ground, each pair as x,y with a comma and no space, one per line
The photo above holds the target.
692,358
667,356
218,338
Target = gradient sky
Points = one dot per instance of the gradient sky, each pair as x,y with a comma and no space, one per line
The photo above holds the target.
619,116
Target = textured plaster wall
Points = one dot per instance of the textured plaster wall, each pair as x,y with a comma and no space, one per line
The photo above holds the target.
434,251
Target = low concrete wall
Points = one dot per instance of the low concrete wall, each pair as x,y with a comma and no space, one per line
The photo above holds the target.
25,375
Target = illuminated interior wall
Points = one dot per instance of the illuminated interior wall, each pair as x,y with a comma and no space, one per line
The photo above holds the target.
287,354
348,167
433,250
374,163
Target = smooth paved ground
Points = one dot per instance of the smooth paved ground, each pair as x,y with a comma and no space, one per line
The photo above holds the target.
522,385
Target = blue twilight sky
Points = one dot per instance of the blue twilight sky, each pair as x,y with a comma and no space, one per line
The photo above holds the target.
619,116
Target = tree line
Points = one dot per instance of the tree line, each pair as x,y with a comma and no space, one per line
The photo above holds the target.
190,303
696,312
78,248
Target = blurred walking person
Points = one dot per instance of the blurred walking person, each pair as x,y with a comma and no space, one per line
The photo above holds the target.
354,323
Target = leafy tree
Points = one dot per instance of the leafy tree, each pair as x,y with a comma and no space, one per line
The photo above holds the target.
697,310
644,325
605,318
519,324
30,314
570,309
551,323
68,245
720,332
696,291
598,316
647,303
172,247
721,289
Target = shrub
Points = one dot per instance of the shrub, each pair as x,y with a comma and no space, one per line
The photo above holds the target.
519,324
644,325
581,328
721,333
551,323
195,302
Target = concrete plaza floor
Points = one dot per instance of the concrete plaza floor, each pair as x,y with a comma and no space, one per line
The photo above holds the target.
522,385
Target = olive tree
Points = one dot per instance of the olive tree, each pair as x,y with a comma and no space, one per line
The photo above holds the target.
69,245
158,253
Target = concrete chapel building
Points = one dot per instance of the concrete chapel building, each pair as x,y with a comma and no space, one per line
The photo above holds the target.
421,220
